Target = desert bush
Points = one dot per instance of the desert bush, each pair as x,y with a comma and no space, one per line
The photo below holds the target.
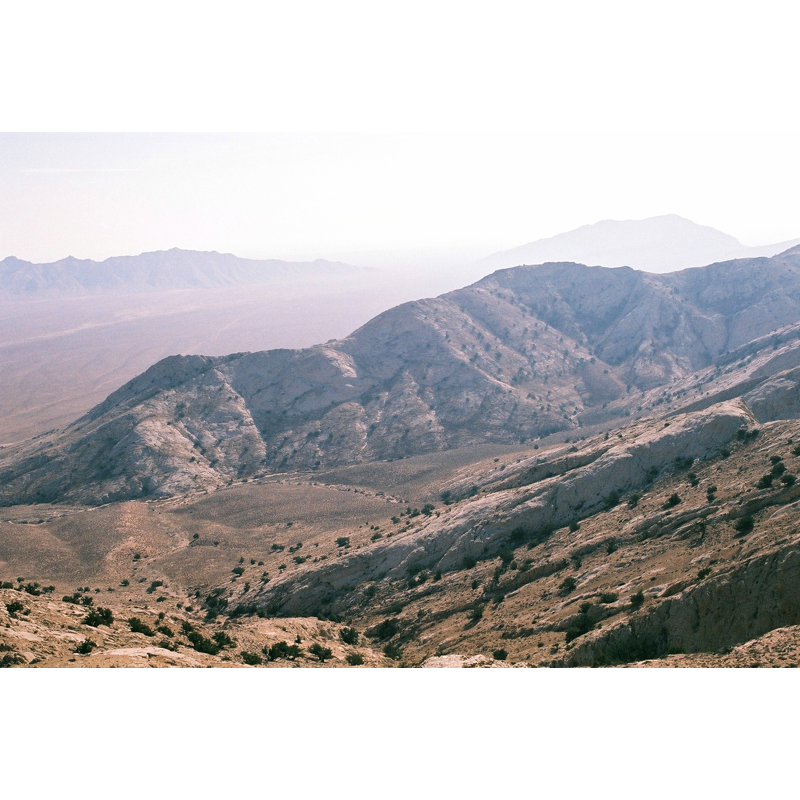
238,570
384,630
468,562
446,497
672,501
252,659
392,651
166,630
14,606
354,659
222,639
99,616
137,626
500,655
567,585
609,597
611,500
778,469
693,481
322,653
32,589
343,541
153,586
202,644
85,647
476,612
282,650
349,636
788,479
637,599
775,459
124,582
744,525
611,546
580,625
633,500
6,585
574,526
703,573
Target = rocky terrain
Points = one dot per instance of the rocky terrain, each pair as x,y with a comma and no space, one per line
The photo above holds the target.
612,481
522,354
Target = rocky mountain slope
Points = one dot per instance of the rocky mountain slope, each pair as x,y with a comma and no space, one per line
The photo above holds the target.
656,244
523,354
156,271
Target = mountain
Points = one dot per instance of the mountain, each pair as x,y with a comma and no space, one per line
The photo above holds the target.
656,244
157,271
522,354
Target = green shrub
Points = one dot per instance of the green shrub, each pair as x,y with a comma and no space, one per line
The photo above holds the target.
392,651
611,500
765,481
282,650
85,647
703,573
500,655
567,585
322,653
223,640
788,479
384,630
476,612
124,582
609,597
238,570
744,525
99,616
137,626
778,468
166,630
611,546
354,659
574,526
343,541
637,599
633,500
672,501
203,644
14,606
153,586
252,659
349,636
32,589
468,562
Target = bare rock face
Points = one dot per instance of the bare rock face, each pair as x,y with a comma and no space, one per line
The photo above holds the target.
778,398
522,354
480,528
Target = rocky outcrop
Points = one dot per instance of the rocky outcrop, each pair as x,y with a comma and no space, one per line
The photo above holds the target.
478,529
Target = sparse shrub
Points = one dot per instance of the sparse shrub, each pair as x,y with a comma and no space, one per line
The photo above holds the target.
506,555
609,597
32,589
166,630
222,639
693,481
500,655
343,541
796,451
153,586
392,651
778,468
349,636
744,525
611,546
567,585
476,612
446,497
282,650
376,536
99,616
574,526
725,453
251,659
85,647
765,481
322,653
476,583
611,500
203,644
238,570
437,576
354,659
637,599
427,509
703,573
124,582
14,606
384,630
788,479
6,585
775,459
468,562
672,501
137,626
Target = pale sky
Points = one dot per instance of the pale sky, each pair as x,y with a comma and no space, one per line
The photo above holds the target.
334,195
618,110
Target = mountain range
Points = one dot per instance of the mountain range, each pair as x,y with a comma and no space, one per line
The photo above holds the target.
523,354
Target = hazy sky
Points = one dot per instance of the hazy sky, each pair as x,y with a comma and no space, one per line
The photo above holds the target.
619,110
332,195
